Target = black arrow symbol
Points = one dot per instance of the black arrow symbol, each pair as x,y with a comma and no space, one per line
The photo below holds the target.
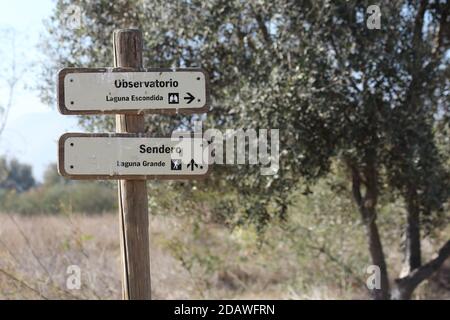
192,164
189,97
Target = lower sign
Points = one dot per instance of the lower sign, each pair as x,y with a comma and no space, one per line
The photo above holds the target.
131,156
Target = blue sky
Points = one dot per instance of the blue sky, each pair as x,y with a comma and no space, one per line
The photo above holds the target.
33,128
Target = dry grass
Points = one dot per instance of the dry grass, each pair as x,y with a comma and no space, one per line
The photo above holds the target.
36,251
188,261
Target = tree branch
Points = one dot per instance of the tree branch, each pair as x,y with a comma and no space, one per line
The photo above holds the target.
263,29
11,82
443,27
356,184
413,279
418,23
23,283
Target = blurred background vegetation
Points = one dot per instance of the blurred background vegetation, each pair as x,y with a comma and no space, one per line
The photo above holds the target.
19,193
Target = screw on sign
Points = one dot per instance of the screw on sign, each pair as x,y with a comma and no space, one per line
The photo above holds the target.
131,156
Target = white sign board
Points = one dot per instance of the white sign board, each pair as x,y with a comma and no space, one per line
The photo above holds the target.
115,90
131,156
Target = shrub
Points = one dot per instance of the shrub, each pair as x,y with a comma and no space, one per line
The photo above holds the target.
85,197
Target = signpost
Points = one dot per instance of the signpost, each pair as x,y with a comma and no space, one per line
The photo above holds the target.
131,155
128,91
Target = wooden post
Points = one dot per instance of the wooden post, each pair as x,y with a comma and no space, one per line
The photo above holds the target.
133,204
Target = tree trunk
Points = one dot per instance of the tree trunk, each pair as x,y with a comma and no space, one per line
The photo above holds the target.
401,290
377,255
367,209
412,242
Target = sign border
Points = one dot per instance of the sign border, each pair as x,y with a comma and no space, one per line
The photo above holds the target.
65,71
64,173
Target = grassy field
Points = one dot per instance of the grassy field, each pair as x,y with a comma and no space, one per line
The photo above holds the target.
188,261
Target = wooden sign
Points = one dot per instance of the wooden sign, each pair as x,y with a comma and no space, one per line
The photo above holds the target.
132,91
131,156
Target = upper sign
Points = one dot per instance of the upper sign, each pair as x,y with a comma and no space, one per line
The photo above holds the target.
132,91
131,156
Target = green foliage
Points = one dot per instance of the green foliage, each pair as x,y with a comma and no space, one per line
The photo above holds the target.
52,177
15,175
57,195
84,197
